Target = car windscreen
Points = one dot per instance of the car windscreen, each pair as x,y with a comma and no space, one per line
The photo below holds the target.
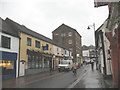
64,62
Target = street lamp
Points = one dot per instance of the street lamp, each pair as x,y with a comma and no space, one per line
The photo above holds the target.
93,26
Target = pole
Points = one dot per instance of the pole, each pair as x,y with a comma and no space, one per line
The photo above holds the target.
95,48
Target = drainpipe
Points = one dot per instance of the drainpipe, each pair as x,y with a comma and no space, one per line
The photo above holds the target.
19,59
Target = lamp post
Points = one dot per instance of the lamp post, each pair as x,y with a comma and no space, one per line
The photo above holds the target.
93,26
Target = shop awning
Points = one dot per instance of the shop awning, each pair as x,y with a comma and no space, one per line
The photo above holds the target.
8,56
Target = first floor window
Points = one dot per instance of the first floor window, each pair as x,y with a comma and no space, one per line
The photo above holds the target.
28,41
5,41
37,44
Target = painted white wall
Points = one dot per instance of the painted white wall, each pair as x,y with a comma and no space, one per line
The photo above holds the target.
106,48
85,53
108,62
13,49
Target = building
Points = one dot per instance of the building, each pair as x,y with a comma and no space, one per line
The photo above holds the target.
59,54
9,51
88,53
36,51
103,50
70,38
113,25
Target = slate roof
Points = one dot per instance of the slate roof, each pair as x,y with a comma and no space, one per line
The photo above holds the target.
30,32
6,28
66,26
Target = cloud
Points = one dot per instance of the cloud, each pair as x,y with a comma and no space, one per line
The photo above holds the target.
46,15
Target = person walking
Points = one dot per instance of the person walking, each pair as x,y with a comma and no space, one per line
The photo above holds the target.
85,64
92,65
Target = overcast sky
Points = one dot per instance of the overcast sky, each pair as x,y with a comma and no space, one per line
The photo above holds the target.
44,16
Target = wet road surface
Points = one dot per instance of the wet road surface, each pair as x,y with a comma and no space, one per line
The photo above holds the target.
59,81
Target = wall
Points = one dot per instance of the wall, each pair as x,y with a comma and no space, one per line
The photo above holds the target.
24,47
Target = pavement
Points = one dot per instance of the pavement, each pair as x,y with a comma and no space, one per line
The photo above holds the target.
17,82
93,79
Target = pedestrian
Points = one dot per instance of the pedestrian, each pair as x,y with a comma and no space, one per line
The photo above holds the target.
85,64
92,64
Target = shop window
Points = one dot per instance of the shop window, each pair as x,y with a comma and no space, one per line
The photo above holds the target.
34,62
46,63
7,67
29,61
37,44
28,41
40,62
5,42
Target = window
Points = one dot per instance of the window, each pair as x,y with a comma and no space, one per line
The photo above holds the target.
56,34
57,50
37,44
46,47
62,34
29,61
70,41
65,52
34,62
5,42
28,41
70,34
71,49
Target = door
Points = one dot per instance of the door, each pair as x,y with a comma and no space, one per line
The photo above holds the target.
22,68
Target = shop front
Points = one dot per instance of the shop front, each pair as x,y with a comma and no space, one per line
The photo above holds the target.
38,62
47,62
8,65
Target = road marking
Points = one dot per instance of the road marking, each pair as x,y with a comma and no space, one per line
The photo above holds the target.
78,80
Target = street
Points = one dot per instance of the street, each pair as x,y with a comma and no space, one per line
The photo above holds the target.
84,79
58,81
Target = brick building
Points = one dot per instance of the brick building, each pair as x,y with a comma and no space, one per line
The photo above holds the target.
70,38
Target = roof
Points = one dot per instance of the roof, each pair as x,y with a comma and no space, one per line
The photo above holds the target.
63,25
25,30
101,25
99,3
7,28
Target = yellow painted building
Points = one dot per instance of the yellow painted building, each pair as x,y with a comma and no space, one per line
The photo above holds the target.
24,47
28,44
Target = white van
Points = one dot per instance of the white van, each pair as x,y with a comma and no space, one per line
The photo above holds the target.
66,65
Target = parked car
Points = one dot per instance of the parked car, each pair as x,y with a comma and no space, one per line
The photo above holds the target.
65,65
